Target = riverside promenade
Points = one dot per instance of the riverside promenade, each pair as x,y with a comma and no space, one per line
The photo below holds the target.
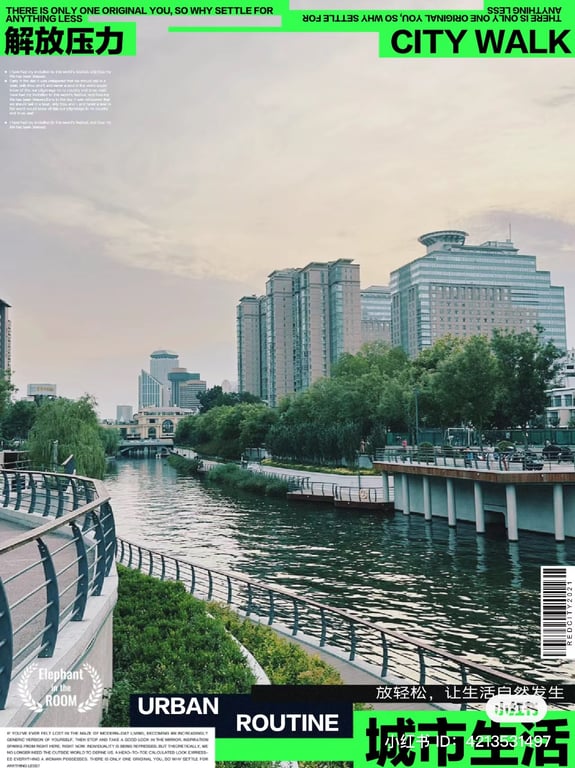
482,491
353,490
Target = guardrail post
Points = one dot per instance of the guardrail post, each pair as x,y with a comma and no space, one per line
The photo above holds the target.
384,654
210,585
130,553
32,487
19,482
193,581
52,602
229,596
109,528
100,556
421,666
60,489
323,633
47,500
352,641
75,495
163,561
6,646
151,562
83,581
6,489
295,616
177,562
271,615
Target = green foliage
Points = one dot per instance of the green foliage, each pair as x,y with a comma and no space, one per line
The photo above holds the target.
216,397
480,382
74,425
526,368
184,466
110,439
6,391
165,641
284,662
227,430
18,419
233,476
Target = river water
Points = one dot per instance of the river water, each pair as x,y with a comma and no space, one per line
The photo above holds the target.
477,595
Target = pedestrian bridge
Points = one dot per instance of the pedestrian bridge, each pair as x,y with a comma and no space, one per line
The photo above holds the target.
145,447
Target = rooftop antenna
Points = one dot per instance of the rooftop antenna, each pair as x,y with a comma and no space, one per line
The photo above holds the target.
509,238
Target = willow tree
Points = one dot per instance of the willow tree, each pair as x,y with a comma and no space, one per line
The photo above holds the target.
64,427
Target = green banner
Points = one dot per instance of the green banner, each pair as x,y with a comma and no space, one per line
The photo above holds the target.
425,739
99,29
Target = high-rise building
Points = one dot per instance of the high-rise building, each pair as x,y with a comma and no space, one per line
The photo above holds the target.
150,391
162,361
5,338
290,337
376,314
251,345
466,290
186,387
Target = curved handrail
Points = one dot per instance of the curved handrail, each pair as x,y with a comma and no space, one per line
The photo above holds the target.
43,587
398,657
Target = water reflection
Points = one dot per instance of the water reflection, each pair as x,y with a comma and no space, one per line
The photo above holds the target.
463,592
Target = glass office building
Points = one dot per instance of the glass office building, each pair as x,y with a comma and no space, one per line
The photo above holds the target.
466,290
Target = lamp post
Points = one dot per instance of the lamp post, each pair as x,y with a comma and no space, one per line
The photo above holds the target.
416,393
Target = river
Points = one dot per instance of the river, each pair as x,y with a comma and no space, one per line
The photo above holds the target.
471,594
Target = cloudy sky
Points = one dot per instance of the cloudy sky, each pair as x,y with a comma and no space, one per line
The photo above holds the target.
230,155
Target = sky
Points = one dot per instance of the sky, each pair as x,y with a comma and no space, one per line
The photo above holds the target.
231,155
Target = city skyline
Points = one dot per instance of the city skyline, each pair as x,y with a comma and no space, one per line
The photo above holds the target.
284,150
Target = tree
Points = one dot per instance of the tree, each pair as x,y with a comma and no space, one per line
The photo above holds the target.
465,384
216,397
19,419
68,427
527,366
6,390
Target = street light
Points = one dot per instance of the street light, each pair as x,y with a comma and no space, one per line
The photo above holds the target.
416,393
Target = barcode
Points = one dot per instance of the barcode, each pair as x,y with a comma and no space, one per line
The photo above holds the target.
557,612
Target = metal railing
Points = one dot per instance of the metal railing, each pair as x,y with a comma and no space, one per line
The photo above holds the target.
367,495
472,459
48,573
395,658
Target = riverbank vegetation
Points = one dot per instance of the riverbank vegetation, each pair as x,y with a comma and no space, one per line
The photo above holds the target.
63,428
495,383
167,641
233,476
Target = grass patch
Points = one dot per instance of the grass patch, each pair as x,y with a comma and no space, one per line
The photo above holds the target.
318,468
188,467
233,476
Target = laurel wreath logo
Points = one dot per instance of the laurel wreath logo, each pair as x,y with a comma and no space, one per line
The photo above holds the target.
25,695
84,706
97,690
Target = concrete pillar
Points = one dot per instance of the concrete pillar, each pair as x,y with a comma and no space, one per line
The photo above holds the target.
479,513
405,494
559,512
385,483
426,498
511,499
451,520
